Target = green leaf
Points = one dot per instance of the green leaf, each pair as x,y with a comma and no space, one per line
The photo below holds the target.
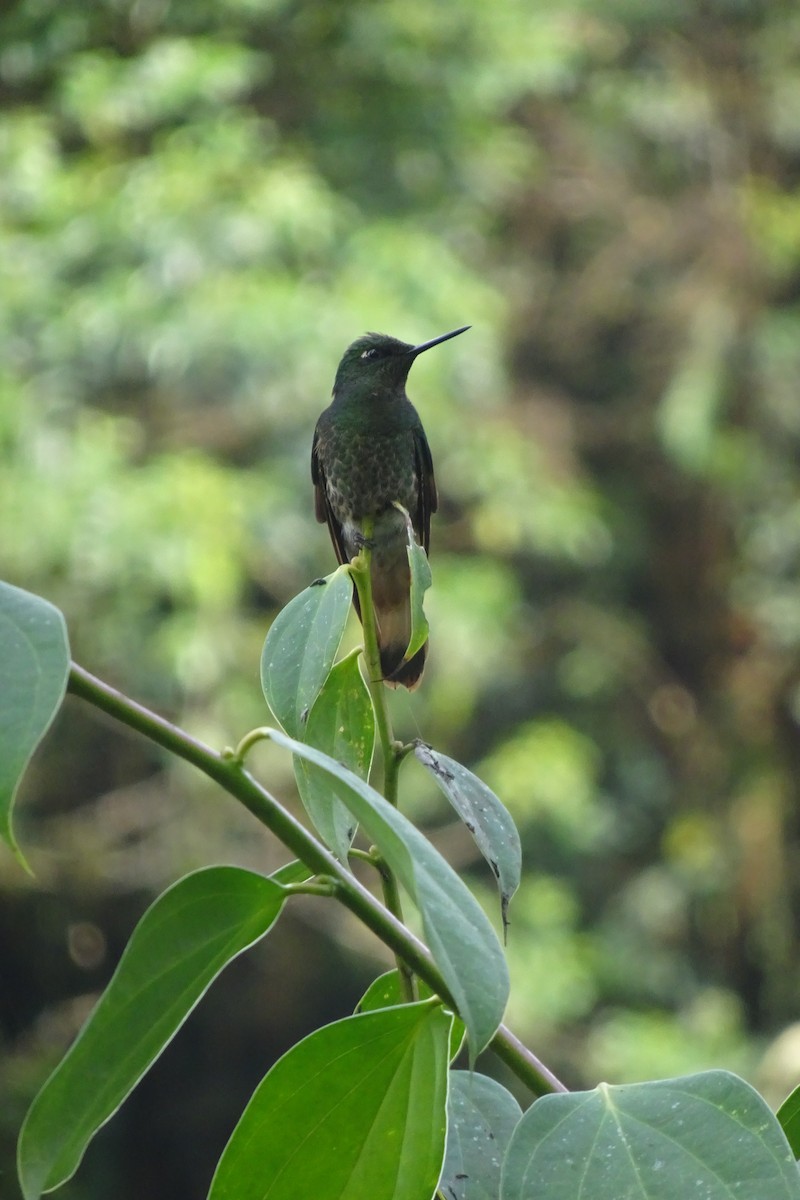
789,1119
301,646
34,668
481,1117
384,992
420,582
457,930
708,1135
342,725
420,572
356,1109
387,991
484,815
180,945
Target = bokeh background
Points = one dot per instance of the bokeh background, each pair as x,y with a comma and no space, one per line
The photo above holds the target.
201,204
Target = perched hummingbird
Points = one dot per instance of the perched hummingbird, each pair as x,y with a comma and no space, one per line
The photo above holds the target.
369,454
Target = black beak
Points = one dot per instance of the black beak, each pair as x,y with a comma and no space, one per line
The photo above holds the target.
435,341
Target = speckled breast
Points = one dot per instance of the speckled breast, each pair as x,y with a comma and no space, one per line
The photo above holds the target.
367,473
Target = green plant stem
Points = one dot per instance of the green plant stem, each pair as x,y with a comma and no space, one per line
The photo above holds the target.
363,855
312,888
360,572
230,775
391,750
391,892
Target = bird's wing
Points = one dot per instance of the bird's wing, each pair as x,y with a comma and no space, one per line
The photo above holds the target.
322,507
428,501
318,479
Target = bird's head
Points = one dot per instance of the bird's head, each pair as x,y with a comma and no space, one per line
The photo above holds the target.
377,362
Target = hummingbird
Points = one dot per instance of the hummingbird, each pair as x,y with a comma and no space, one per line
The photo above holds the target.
370,454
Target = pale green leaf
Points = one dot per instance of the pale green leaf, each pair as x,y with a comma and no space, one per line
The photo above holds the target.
342,725
709,1135
34,668
481,1117
420,582
457,931
300,648
484,815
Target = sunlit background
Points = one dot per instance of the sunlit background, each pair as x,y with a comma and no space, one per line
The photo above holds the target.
201,204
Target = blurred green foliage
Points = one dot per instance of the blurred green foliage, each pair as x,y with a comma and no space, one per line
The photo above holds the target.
200,206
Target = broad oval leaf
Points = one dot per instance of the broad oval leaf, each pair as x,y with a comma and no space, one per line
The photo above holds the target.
300,648
341,724
481,1117
457,931
708,1135
34,668
484,815
355,1109
180,945
387,991
789,1120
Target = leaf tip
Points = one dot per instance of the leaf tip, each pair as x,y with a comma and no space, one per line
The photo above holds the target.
22,860
7,835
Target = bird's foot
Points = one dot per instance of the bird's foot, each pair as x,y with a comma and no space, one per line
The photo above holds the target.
362,542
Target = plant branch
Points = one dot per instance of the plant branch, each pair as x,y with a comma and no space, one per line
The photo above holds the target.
360,572
239,783
391,750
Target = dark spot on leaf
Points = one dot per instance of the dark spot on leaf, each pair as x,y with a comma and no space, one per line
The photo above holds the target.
495,868
470,826
504,899
317,583
428,758
304,715
461,1175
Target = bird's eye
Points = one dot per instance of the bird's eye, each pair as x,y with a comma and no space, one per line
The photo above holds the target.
373,352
